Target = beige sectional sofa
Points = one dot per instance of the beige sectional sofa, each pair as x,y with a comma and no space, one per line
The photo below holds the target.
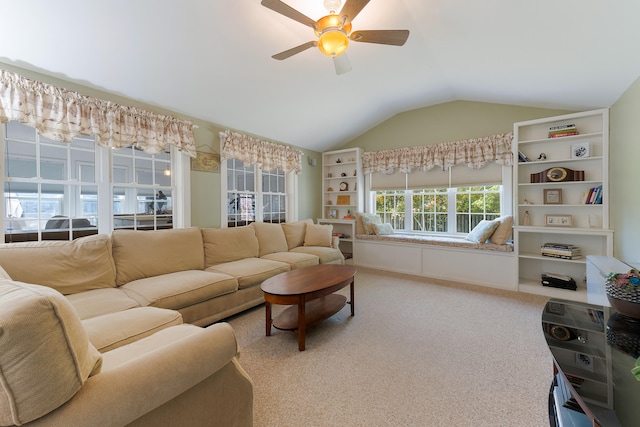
136,303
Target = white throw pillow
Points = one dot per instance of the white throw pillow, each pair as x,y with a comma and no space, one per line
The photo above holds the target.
482,231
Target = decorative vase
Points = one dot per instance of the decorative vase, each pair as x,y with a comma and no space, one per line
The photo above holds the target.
623,334
625,301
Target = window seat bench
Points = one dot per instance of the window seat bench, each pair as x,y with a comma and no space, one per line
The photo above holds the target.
446,258
449,241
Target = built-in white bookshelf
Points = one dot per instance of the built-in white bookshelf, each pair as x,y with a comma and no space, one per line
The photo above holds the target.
549,197
342,193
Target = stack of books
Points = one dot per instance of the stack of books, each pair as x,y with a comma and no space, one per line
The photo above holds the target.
560,250
562,130
592,196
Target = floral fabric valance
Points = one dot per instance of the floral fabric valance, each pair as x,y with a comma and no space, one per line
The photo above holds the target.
60,114
267,155
475,153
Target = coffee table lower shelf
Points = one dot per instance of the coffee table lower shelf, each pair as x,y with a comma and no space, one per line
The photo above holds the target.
316,311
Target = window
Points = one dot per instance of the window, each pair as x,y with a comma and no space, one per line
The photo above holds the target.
56,190
439,210
244,203
142,191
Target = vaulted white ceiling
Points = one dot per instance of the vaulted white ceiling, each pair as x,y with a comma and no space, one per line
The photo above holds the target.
212,59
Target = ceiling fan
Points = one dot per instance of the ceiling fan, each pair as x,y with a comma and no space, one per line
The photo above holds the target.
334,31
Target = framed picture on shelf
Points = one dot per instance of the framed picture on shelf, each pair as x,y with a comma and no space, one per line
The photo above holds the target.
343,200
333,213
558,221
579,151
553,196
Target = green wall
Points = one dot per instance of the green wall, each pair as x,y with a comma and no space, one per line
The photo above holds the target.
451,121
205,186
624,152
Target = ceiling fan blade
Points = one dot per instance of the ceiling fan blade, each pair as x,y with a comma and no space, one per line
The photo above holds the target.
287,53
288,11
392,37
352,8
341,64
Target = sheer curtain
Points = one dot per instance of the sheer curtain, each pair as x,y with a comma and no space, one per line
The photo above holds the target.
60,114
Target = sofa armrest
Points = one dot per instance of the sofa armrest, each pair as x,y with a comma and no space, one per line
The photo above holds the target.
144,375
335,242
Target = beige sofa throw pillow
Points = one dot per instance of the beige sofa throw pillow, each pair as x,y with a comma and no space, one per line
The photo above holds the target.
503,232
318,235
294,232
45,353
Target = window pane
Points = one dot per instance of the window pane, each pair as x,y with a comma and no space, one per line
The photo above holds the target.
20,161
17,130
144,173
53,161
83,165
122,170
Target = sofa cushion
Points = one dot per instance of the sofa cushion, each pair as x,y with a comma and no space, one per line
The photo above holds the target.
502,234
294,232
4,274
114,330
101,301
140,254
180,289
318,235
71,266
326,255
270,238
45,353
229,244
251,271
294,259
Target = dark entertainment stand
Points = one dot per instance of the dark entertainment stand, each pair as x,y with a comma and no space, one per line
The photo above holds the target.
594,349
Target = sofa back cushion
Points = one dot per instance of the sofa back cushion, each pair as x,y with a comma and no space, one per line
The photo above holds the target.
141,254
45,353
66,266
318,235
270,238
229,244
294,232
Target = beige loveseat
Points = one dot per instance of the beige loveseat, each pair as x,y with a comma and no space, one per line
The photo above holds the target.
110,331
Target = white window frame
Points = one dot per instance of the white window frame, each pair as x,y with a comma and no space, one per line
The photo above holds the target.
180,186
291,195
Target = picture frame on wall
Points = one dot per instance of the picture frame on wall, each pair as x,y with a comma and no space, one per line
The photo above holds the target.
552,196
558,221
206,162
344,200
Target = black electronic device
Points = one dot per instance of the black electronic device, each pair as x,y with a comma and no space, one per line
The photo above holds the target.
558,281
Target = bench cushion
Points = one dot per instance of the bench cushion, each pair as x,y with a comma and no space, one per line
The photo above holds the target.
180,289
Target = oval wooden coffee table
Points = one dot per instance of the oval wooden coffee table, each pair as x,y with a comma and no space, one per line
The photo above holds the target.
310,292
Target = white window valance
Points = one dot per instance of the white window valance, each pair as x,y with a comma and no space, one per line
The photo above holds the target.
267,155
474,153
60,114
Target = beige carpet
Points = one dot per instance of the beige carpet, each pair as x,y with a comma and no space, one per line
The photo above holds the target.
417,353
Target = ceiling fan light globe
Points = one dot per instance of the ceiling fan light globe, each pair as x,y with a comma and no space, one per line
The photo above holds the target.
333,43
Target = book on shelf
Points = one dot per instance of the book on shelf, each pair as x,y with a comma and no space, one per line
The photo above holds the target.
560,250
561,134
522,157
594,196
562,127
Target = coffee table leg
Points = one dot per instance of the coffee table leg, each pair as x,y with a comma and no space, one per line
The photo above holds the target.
352,302
267,307
301,324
